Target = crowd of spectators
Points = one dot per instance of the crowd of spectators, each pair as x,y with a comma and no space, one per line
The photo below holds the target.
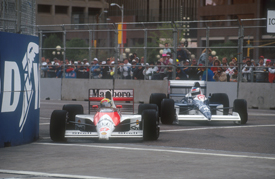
186,68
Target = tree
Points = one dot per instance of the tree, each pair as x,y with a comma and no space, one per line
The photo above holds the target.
51,42
76,54
226,52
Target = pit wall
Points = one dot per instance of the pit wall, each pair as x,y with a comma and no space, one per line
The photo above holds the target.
258,95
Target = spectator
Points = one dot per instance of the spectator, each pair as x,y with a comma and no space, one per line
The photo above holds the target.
209,76
170,58
86,67
234,77
224,67
261,74
217,64
58,70
244,61
220,75
162,67
180,75
203,56
267,62
271,70
254,63
177,62
181,54
142,61
247,70
125,69
230,70
186,68
224,61
166,49
138,73
234,60
169,71
193,72
69,72
150,70
133,68
44,69
95,69
210,60
106,69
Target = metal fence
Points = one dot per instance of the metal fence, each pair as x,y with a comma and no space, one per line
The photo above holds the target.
18,16
226,38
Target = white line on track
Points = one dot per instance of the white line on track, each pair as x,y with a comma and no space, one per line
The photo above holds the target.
41,174
161,150
210,128
41,124
258,114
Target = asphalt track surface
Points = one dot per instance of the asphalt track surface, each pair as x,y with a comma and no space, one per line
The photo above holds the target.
188,150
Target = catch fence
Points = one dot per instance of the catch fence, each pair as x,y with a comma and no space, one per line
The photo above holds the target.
237,38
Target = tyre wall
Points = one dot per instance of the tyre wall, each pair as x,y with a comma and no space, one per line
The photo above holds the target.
258,95
19,94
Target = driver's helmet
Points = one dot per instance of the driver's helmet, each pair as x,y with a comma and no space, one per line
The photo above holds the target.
105,103
195,91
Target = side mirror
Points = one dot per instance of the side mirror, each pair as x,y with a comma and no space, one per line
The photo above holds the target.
118,106
95,106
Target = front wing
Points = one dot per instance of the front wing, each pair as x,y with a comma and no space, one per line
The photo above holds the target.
235,117
83,134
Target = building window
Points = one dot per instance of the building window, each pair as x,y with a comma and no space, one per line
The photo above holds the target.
43,8
215,2
242,1
61,9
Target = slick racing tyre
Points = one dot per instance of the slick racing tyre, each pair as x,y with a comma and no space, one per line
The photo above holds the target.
143,107
240,106
150,125
58,125
156,98
73,109
168,111
220,98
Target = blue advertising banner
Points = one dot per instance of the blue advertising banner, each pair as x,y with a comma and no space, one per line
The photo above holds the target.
19,94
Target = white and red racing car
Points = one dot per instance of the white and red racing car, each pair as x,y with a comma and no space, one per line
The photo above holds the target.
108,120
195,106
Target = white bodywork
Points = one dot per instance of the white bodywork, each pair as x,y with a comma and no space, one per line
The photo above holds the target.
105,127
195,115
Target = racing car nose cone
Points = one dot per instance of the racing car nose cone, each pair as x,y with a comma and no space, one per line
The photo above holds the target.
105,127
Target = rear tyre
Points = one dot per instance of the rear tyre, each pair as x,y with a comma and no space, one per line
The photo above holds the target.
168,111
150,124
156,98
220,98
240,106
72,109
58,125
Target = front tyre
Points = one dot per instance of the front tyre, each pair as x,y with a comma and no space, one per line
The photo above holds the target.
240,106
150,124
58,125
220,98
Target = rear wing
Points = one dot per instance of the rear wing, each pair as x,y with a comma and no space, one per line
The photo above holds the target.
119,96
179,88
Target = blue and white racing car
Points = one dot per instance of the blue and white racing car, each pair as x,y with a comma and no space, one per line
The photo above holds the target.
195,106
